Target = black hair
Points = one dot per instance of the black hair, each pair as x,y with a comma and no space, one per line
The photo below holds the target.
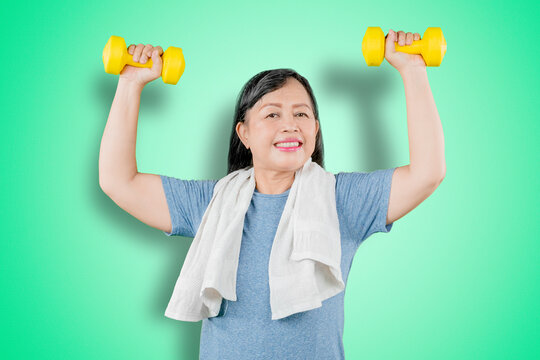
259,85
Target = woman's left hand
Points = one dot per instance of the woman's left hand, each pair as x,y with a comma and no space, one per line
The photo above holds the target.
400,60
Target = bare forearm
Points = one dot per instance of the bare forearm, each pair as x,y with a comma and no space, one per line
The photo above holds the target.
426,139
117,162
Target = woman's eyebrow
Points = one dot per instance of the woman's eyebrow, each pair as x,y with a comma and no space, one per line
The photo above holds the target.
279,105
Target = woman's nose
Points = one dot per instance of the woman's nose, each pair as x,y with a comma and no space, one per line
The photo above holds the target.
289,122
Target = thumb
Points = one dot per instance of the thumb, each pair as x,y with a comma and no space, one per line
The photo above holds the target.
390,47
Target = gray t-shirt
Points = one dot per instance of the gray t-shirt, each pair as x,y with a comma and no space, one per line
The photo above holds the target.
244,329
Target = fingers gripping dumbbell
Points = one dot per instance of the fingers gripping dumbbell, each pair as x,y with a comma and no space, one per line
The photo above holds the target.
432,46
116,56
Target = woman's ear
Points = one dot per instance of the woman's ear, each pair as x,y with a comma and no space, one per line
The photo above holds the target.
241,132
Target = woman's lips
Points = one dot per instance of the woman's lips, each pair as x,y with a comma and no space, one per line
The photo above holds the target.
289,149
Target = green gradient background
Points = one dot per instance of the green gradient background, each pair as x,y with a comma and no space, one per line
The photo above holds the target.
457,278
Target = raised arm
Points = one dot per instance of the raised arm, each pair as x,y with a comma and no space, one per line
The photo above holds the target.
139,194
117,162
413,183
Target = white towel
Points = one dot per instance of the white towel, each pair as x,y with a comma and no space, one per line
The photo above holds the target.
304,266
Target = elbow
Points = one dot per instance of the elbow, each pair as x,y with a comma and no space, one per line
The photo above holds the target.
443,174
431,178
104,189
105,186
440,178
435,181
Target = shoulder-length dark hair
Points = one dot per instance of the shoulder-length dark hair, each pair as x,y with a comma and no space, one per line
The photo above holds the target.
259,85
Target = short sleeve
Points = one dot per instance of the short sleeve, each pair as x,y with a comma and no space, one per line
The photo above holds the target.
187,201
362,199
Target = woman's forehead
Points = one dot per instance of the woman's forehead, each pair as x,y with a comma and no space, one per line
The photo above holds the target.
286,96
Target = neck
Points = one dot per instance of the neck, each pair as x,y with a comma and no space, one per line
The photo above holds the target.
273,182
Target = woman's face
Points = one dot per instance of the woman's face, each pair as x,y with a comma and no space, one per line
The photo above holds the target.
279,115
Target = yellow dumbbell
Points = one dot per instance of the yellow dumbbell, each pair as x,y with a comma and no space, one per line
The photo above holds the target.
432,46
115,57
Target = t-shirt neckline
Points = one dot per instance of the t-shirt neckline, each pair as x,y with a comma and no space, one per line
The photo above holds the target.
257,193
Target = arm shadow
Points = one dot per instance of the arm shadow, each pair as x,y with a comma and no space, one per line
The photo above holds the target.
364,88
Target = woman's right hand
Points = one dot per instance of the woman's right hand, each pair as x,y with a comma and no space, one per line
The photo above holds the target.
141,53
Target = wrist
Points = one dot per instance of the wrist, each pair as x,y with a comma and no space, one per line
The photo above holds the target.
413,72
130,84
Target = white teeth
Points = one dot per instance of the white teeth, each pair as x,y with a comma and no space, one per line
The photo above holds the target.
288,144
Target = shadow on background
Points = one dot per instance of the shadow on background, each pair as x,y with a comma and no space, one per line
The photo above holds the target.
154,96
220,139
363,88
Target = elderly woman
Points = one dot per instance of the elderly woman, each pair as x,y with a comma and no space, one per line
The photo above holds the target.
229,278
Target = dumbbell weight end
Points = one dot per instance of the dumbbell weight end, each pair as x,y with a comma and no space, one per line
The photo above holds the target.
115,56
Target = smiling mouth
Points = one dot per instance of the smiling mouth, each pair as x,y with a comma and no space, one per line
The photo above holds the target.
289,148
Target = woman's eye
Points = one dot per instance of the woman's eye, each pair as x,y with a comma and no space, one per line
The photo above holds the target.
271,114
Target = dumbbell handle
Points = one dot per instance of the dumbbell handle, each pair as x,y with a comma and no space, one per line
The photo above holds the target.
414,48
129,61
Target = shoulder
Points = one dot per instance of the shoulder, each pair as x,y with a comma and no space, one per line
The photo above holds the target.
184,184
187,201
358,181
362,200
193,192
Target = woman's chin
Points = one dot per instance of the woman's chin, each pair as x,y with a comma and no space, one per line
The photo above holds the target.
291,163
